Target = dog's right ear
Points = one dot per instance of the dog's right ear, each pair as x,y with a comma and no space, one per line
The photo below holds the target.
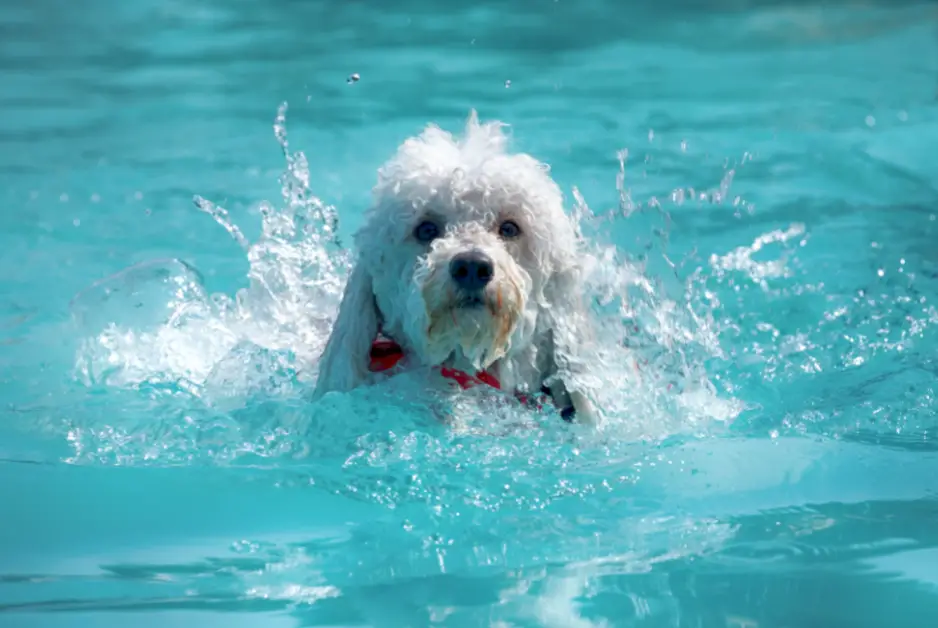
345,360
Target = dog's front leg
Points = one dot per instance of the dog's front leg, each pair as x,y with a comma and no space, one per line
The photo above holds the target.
573,404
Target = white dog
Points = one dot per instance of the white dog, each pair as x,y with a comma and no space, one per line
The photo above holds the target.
468,263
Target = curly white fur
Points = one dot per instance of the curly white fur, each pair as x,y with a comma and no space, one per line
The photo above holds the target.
532,330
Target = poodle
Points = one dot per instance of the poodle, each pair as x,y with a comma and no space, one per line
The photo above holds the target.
466,264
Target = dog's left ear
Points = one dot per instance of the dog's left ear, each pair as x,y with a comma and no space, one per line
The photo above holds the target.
345,360
571,333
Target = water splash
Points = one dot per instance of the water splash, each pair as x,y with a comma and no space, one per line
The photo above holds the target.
295,280
227,355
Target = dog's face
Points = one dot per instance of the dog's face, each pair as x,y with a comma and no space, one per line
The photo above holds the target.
461,245
459,277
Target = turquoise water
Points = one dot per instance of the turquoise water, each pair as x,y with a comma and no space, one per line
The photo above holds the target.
758,178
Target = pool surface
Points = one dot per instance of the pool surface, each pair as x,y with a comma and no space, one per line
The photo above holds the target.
758,182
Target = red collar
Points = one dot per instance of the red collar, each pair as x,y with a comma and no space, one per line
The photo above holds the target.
386,354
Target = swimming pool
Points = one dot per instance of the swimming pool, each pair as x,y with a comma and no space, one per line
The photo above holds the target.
764,170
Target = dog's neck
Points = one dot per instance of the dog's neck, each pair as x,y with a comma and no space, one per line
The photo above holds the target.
518,370
386,354
515,371
457,360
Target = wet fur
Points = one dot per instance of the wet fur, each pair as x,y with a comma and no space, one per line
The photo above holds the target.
532,330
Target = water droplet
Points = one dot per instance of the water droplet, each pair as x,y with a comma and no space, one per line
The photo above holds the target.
683,146
870,121
95,198
903,116
507,84
353,78
76,222
880,272
773,434
651,135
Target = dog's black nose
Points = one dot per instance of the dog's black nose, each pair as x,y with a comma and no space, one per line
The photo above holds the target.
471,271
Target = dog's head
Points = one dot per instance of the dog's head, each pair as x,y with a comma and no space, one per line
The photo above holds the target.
464,248
461,243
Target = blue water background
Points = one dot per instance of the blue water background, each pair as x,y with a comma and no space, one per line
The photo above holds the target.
144,501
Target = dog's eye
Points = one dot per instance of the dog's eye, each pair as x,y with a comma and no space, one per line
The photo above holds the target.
426,232
509,229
